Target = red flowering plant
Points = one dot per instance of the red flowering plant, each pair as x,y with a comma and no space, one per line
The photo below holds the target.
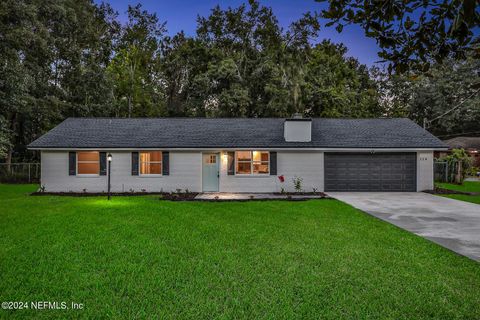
282,180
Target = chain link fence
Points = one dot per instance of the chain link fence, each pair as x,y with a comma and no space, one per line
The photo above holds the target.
20,173
445,171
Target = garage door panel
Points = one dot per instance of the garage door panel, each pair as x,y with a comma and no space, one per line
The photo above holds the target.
370,172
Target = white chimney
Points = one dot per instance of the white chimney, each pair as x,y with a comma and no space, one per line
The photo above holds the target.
297,129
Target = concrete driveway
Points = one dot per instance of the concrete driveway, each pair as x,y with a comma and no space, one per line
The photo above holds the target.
451,223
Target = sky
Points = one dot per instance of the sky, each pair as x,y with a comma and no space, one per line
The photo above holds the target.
182,15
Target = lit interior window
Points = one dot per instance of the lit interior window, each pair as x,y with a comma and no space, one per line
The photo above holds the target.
151,162
252,162
88,162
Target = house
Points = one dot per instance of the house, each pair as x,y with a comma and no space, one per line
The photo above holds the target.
470,144
237,155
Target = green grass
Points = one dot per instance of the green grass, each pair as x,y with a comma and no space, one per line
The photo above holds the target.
138,257
467,186
472,199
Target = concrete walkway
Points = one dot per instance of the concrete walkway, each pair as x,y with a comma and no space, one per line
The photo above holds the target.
250,196
450,223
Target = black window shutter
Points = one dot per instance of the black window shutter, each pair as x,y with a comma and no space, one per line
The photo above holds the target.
72,163
103,163
273,163
231,163
134,163
165,163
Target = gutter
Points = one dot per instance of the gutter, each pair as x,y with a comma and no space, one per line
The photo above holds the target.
338,149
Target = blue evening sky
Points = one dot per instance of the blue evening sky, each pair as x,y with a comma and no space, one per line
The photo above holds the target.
182,15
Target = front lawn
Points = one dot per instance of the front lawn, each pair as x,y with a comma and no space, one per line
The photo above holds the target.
467,186
138,257
462,197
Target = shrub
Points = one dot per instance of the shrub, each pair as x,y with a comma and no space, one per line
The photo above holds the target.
472,171
464,161
297,183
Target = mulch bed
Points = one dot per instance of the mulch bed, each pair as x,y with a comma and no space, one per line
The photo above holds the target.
320,194
448,191
179,196
288,197
95,194
245,200
184,196
164,195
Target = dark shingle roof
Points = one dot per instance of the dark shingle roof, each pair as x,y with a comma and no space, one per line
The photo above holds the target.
232,133
464,143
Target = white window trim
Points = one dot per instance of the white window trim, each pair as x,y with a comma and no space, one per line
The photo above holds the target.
251,174
149,175
87,175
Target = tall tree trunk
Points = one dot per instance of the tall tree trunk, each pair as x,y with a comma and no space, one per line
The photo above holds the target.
13,127
296,94
459,175
8,160
129,99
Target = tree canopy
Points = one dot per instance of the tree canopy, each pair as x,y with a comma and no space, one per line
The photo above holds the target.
446,99
75,58
413,34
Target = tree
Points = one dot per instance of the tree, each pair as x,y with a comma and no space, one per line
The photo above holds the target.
256,69
67,58
16,21
135,70
53,57
395,92
444,87
184,66
240,41
337,86
461,161
86,88
412,34
4,138
446,99
243,64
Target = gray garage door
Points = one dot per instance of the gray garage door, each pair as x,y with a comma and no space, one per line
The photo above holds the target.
370,172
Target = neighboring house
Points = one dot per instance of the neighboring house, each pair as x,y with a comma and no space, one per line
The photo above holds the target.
470,144
237,155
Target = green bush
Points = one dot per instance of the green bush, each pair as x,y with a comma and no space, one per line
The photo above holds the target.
464,160
472,171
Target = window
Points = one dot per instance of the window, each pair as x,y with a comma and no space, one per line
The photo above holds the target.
252,162
151,163
212,159
88,162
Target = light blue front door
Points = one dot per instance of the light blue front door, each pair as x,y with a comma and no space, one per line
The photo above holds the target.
210,172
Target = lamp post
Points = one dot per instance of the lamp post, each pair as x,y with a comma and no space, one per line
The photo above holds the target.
109,160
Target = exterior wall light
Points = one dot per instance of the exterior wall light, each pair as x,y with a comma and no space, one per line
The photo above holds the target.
109,160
